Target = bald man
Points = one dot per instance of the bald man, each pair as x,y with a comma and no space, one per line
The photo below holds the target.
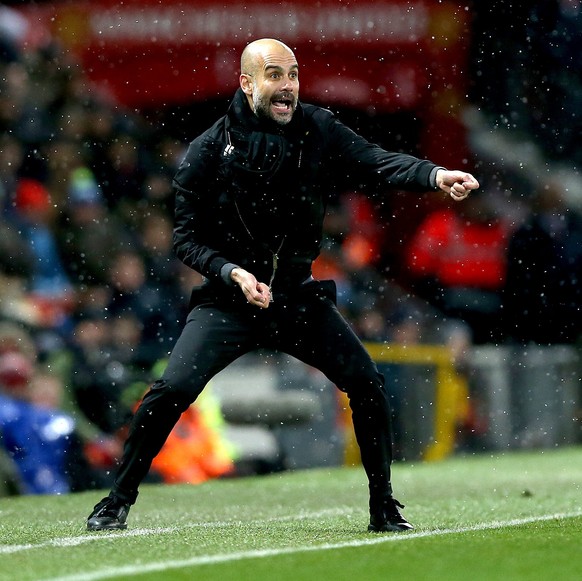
251,196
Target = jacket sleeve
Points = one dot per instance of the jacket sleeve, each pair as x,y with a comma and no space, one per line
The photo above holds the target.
366,163
194,209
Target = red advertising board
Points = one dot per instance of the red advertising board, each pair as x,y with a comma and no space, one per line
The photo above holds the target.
379,54
375,55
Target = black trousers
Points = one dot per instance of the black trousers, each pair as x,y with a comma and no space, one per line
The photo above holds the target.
307,326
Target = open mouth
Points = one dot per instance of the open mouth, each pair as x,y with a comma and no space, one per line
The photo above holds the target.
282,104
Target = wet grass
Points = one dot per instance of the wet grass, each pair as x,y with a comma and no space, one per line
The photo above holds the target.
511,516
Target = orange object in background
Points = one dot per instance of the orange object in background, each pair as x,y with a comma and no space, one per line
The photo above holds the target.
194,452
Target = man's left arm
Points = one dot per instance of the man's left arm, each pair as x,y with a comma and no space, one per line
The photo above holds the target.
394,169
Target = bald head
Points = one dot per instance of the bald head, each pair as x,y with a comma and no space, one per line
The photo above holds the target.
270,79
258,51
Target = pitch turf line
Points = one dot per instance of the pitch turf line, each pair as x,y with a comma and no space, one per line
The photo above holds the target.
257,554
143,532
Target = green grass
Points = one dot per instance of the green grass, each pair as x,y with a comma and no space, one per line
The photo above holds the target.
510,516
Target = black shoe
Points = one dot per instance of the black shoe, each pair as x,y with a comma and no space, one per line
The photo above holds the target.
388,518
108,515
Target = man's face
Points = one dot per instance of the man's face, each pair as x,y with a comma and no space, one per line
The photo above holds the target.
274,86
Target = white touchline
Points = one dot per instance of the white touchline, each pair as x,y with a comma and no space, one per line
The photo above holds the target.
142,532
109,572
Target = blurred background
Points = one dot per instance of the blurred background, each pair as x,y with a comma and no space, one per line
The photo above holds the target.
472,310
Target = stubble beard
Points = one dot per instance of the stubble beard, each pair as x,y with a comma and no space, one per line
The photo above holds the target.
262,108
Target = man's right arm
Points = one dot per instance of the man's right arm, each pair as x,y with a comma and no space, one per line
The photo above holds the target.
193,215
195,221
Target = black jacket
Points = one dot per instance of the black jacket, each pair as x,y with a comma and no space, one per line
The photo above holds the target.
249,188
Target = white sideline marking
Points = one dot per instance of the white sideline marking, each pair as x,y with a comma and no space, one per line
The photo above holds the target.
105,535
260,553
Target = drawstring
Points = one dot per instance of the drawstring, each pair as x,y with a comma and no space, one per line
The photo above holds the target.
275,260
275,254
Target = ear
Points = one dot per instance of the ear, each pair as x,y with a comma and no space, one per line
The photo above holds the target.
246,84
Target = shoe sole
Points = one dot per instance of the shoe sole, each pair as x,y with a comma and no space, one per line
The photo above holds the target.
389,529
107,527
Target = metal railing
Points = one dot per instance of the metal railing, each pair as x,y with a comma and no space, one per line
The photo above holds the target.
450,389
528,396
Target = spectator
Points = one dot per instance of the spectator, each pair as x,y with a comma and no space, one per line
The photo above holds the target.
40,440
53,123
15,254
15,338
155,238
14,90
45,394
34,211
543,292
88,231
11,160
195,450
122,174
96,379
457,261
134,294
157,192
42,298
13,29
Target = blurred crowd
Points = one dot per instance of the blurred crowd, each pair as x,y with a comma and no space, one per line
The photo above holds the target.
92,298
526,74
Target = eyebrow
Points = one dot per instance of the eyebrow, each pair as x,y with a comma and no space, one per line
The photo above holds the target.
280,68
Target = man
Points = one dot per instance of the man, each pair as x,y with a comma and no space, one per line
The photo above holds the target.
457,260
542,294
250,202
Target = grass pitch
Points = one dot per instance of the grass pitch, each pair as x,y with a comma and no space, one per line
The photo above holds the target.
515,515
